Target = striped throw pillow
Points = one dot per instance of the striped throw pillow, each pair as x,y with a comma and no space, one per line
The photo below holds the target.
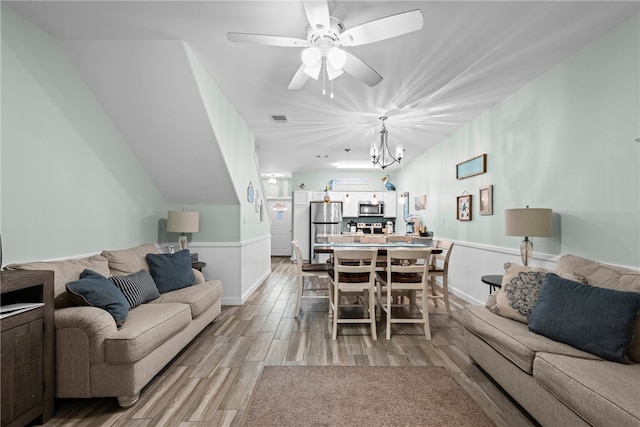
137,288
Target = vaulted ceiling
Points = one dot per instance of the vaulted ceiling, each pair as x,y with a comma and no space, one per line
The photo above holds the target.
468,57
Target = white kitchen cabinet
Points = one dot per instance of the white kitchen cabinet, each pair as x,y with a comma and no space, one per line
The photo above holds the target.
301,198
334,196
390,204
350,210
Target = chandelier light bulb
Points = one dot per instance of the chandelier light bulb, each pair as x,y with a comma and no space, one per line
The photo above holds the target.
399,151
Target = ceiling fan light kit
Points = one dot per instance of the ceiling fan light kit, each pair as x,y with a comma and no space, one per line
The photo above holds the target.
326,36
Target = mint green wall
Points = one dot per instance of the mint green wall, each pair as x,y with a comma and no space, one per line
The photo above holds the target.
566,141
70,183
237,144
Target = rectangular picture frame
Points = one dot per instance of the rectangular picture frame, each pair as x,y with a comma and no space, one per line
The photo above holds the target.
485,206
420,202
472,167
463,207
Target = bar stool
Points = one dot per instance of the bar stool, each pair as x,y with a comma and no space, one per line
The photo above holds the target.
320,270
407,271
354,275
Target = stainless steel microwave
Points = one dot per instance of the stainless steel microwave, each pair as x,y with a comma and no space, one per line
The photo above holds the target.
369,209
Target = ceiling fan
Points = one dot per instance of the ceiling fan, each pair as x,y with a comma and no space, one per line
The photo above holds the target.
326,36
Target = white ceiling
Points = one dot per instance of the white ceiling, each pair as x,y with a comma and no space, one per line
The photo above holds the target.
468,57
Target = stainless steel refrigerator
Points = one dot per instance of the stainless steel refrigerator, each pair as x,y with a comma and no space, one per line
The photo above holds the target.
326,219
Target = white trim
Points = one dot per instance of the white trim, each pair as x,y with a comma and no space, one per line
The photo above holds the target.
228,244
500,249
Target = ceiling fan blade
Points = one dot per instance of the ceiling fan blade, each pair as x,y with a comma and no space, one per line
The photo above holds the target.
313,72
383,28
317,13
357,68
268,40
299,79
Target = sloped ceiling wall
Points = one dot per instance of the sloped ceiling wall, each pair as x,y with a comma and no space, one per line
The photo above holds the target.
148,89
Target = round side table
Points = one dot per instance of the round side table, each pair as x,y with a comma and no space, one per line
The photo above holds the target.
493,280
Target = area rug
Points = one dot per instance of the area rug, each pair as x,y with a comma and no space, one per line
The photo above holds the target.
361,396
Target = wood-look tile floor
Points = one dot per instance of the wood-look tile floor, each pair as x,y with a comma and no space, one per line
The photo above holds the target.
211,381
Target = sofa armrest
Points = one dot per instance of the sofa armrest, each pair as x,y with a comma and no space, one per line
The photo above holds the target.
87,327
199,276
80,336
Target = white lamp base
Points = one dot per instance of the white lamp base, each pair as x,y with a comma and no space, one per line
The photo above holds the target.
526,251
182,241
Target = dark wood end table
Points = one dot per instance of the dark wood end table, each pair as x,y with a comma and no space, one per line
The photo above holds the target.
493,280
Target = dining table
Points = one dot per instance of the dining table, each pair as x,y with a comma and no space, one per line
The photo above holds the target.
328,248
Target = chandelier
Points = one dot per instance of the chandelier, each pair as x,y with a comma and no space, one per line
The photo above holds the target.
380,153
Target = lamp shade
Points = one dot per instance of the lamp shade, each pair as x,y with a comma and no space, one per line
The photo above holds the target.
183,222
529,222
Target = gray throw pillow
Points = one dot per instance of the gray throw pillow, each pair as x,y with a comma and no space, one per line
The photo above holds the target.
96,290
171,271
597,320
138,288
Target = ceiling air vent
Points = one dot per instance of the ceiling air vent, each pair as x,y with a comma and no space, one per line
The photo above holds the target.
279,119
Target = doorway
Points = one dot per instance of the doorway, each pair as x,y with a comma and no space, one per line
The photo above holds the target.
280,214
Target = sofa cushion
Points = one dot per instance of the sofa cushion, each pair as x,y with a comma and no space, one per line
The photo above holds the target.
138,288
593,319
199,297
148,326
513,339
64,272
603,393
129,261
171,271
97,291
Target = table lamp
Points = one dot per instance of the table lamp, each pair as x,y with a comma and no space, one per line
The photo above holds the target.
183,222
528,222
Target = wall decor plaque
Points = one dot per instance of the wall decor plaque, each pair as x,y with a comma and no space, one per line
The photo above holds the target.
472,167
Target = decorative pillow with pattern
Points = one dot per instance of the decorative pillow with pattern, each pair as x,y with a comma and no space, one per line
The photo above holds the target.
138,288
520,290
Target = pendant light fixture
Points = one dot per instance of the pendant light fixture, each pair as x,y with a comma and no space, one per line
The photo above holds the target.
379,151
346,198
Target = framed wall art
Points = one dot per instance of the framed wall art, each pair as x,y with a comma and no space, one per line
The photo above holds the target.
486,200
421,202
472,167
463,208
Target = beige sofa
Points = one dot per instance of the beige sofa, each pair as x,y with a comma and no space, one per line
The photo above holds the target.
556,383
94,358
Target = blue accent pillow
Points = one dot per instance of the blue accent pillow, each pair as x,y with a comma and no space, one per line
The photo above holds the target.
137,288
96,290
597,320
171,271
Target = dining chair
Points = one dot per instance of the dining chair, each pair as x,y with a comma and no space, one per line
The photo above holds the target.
439,267
354,275
373,239
341,239
319,270
398,239
407,271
